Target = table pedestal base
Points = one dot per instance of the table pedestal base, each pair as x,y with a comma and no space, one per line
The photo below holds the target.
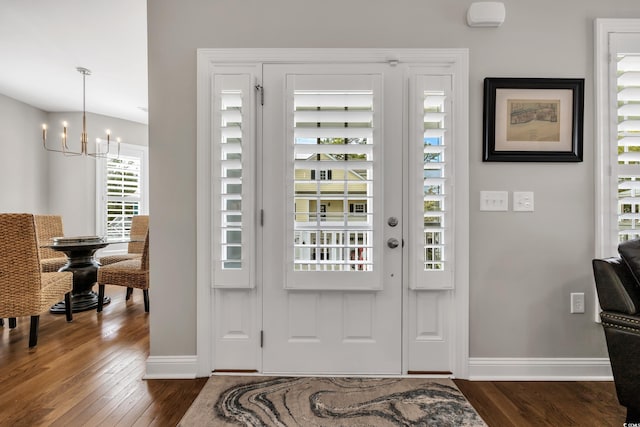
83,301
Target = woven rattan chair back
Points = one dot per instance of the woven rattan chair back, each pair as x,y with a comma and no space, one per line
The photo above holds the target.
144,264
131,273
139,227
24,289
48,227
19,263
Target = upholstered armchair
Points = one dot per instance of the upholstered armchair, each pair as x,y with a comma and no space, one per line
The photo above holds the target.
618,287
24,289
139,227
48,227
132,273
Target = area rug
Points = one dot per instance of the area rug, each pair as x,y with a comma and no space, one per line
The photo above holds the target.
323,401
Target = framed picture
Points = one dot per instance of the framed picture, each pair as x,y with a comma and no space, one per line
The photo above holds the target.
533,120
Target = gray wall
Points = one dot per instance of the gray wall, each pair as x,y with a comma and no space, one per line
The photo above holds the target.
33,180
23,163
522,265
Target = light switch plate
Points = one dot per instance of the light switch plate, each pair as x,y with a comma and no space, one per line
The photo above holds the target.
523,201
494,201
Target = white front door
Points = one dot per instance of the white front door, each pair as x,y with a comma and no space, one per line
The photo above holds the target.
329,229
333,208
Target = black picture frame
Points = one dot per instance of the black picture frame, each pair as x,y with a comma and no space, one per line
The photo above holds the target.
533,119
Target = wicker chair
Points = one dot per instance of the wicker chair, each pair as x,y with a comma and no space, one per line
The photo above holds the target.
24,289
48,227
132,273
139,227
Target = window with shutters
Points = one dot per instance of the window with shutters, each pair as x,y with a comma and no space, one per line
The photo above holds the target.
122,190
233,153
332,153
618,150
628,141
431,191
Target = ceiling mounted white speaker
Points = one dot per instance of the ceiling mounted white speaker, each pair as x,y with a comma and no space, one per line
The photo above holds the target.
486,14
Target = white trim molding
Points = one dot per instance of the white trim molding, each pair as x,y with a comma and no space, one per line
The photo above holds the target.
171,367
539,369
207,59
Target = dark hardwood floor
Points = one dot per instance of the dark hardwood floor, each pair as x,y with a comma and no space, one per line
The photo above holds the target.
89,373
544,403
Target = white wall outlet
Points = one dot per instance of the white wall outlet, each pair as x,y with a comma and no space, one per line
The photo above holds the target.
577,302
494,201
523,201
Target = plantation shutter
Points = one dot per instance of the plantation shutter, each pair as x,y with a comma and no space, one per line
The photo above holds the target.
627,97
431,191
123,195
333,139
233,152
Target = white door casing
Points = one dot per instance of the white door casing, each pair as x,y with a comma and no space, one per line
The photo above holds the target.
423,322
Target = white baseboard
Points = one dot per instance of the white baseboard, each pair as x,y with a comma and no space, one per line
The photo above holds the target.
539,369
171,367
480,368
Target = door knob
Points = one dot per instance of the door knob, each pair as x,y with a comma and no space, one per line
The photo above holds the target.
393,243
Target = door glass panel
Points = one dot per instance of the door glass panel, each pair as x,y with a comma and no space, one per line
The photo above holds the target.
333,139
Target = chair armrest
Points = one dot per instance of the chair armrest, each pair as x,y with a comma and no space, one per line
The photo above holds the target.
624,322
622,332
616,286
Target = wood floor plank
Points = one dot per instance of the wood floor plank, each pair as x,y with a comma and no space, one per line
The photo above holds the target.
544,403
89,373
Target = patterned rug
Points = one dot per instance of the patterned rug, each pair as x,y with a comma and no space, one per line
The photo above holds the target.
322,401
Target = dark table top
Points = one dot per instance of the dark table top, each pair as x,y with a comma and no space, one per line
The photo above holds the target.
81,242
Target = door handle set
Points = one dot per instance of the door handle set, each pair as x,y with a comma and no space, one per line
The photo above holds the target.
393,243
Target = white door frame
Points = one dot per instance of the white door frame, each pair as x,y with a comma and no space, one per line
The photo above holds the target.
454,58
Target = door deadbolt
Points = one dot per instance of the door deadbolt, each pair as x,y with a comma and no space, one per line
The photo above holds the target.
393,243
392,221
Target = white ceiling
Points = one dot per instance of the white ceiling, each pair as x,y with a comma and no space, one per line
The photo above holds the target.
43,41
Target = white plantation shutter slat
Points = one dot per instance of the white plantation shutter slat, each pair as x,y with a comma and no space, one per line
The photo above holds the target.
430,117
332,132
629,94
352,167
304,150
328,99
328,116
629,110
434,133
629,126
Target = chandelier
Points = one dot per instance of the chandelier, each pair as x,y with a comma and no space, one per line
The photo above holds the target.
83,137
